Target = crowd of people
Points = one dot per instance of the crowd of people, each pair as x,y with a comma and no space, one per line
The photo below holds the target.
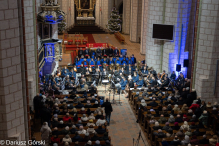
122,72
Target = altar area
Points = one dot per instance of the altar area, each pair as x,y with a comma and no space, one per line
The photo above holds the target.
85,12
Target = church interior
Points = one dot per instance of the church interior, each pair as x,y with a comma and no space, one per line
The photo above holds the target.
109,72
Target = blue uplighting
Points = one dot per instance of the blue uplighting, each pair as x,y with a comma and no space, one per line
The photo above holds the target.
50,19
49,52
179,54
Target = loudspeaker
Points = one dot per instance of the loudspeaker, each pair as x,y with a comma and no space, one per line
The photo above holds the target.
186,63
178,67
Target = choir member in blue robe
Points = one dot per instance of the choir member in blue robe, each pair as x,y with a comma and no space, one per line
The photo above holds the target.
82,58
129,61
88,59
85,63
98,62
72,74
121,58
104,61
92,62
135,78
114,59
133,59
110,61
124,61
144,70
118,61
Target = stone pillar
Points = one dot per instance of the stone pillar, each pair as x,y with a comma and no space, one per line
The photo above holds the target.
135,28
126,16
11,99
144,26
54,31
207,52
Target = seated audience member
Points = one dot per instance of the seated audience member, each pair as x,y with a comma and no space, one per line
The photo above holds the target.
180,133
171,119
84,118
100,130
61,124
88,105
81,130
99,115
160,134
166,127
188,132
162,119
90,122
82,111
185,141
178,119
175,141
194,140
152,120
91,117
169,133
87,137
213,140
79,123
66,118
67,139
193,119
204,118
164,142
89,143
73,129
157,126
97,143
91,129
176,126
55,122
204,140
65,131
55,131
185,126
55,139
77,137
96,104
153,103
101,121
79,105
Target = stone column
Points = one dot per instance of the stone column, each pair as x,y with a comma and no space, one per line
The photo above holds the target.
91,4
207,50
126,16
135,28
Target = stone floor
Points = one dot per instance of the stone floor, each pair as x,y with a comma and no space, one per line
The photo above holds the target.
132,48
123,127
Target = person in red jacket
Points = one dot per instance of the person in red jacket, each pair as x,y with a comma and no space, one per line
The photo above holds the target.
55,139
67,117
194,106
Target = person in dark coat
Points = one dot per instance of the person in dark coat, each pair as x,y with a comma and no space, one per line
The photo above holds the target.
175,141
153,103
56,131
108,109
36,103
110,51
100,130
160,134
46,115
77,137
204,140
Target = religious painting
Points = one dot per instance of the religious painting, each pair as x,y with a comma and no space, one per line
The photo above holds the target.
85,4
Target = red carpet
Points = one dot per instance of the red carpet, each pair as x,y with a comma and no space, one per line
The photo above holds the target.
90,38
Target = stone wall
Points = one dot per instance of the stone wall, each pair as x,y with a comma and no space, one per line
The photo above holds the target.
208,50
11,100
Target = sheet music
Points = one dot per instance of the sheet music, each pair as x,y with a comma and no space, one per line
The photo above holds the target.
159,82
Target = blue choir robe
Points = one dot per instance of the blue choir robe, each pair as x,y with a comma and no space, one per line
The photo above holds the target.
77,63
85,63
140,83
133,60
104,61
88,59
114,60
110,62
123,84
98,62
124,61
82,59
135,78
121,58
64,74
93,56
118,62
92,63
129,61
56,79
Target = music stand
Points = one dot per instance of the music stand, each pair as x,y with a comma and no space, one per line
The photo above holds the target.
105,82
